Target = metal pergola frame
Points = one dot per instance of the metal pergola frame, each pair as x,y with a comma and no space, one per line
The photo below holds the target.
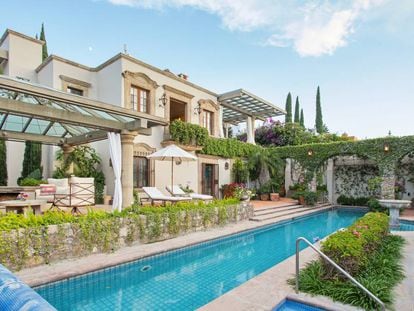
240,104
30,112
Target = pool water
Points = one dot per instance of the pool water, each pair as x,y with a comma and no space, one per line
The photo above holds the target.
290,305
406,225
191,277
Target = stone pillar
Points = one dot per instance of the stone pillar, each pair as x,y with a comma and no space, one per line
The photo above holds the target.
288,174
330,180
250,130
313,183
387,185
226,130
67,150
221,131
127,177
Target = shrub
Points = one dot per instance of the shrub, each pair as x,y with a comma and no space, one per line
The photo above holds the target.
31,182
240,172
229,190
350,248
188,133
310,197
352,201
375,206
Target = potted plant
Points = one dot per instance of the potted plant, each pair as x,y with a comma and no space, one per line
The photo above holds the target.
264,191
297,192
309,197
274,185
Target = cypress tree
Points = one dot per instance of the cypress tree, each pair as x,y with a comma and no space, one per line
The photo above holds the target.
44,47
3,163
320,128
302,119
288,108
296,119
32,160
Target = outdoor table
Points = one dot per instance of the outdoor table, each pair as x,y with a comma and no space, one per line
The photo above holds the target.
20,206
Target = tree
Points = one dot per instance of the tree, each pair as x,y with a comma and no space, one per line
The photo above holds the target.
288,108
32,161
3,163
320,128
296,119
44,47
302,119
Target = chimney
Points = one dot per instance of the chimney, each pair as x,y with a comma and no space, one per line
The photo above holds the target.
183,76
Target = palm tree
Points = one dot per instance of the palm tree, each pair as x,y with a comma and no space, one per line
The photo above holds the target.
263,166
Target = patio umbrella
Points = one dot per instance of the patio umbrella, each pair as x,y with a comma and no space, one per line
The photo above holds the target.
173,153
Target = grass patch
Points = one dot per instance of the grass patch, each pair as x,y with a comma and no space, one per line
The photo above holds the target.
381,273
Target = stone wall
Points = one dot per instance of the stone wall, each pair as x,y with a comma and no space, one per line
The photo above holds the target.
31,247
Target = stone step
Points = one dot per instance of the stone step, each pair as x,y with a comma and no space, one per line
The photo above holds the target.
278,206
296,212
274,210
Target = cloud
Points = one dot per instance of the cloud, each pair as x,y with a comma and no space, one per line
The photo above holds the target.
311,28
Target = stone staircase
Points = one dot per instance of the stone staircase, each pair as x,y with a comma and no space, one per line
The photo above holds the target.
291,209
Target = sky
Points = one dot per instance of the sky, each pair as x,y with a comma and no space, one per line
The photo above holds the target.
360,52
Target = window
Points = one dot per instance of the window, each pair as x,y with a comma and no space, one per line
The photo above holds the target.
141,172
75,91
208,119
139,99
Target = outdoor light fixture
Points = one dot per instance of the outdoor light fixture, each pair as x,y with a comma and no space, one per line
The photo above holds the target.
386,147
226,166
310,152
197,110
163,99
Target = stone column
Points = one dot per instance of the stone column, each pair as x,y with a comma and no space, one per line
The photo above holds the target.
250,130
330,180
127,177
288,174
67,150
221,125
388,184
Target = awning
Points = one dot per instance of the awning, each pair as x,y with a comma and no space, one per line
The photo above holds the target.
240,104
36,113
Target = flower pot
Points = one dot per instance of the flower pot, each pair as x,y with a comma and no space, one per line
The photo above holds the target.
274,197
301,200
245,198
264,197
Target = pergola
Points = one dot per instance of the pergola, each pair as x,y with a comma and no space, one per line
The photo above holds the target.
241,106
30,112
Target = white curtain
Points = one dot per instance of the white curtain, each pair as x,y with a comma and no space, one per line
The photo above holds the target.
116,158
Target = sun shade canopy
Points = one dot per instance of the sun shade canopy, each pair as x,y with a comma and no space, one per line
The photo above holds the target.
37,113
172,152
240,104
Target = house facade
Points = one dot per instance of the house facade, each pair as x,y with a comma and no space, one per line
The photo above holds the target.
129,83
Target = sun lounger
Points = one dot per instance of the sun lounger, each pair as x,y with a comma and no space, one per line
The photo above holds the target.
178,192
156,195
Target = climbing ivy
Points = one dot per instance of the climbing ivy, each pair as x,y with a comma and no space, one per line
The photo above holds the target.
228,148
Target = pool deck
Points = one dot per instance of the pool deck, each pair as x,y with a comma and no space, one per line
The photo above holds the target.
72,267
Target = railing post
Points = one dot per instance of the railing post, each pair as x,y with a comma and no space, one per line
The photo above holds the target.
297,266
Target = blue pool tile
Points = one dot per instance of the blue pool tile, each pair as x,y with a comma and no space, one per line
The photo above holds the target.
188,278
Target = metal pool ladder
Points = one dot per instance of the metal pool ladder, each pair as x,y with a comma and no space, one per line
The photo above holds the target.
335,266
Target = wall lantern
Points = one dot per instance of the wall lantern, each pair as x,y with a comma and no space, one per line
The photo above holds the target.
386,147
197,110
226,166
310,152
163,100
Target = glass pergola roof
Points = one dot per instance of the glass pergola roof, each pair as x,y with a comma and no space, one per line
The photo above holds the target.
239,104
32,112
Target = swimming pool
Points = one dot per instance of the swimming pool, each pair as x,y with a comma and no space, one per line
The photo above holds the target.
188,278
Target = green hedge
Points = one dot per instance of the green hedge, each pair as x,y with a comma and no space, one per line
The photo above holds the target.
187,133
229,148
351,247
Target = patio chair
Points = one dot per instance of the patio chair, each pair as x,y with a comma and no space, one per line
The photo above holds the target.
54,186
178,192
81,194
156,195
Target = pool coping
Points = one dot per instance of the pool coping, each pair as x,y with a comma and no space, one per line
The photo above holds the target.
68,268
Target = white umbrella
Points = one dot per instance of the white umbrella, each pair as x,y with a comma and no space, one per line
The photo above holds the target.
172,152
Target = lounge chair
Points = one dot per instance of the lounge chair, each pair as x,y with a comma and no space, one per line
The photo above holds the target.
178,192
155,195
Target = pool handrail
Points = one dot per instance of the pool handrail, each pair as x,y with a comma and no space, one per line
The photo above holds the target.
337,267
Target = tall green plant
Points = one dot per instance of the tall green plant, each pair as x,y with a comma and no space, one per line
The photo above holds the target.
297,108
240,171
320,128
3,163
302,119
288,108
45,54
32,160
264,165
